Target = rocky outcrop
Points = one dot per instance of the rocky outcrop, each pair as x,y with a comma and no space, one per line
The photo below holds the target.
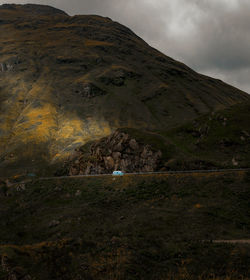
118,151
12,271
118,76
10,64
88,90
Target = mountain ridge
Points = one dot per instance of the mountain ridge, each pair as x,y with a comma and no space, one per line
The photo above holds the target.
33,8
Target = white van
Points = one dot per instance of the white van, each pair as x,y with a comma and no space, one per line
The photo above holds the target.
118,173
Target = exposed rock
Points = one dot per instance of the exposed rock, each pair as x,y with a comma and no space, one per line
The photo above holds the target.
10,64
8,183
89,90
74,171
13,272
78,193
117,151
109,162
133,144
117,77
116,155
3,67
245,133
54,223
234,162
21,187
227,142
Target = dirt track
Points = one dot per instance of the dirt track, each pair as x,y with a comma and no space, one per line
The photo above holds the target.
242,241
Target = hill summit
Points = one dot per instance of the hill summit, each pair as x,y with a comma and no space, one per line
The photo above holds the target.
32,9
65,81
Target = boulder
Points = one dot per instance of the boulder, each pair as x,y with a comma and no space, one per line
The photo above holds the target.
54,223
109,162
133,144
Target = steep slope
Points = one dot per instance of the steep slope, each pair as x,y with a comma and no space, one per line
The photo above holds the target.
67,80
221,138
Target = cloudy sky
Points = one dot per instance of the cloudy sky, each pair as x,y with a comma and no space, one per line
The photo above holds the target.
210,36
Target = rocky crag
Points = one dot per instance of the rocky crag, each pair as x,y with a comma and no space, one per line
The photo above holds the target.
118,151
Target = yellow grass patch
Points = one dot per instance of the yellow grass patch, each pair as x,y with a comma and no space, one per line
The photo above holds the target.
198,206
93,43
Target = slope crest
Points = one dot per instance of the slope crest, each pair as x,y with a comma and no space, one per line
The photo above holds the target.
33,9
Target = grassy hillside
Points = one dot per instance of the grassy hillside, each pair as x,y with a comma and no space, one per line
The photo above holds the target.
217,140
133,227
222,138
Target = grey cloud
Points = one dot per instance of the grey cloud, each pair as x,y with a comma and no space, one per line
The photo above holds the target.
211,36
221,38
238,77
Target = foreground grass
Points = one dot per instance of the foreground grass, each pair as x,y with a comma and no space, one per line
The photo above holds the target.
133,227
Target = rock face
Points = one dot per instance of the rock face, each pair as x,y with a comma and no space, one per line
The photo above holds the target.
116,152
10,64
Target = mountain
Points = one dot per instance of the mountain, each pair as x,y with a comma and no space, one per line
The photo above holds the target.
65,81
84,95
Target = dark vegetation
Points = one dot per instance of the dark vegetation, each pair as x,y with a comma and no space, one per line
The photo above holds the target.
146,227
222,137
217,140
